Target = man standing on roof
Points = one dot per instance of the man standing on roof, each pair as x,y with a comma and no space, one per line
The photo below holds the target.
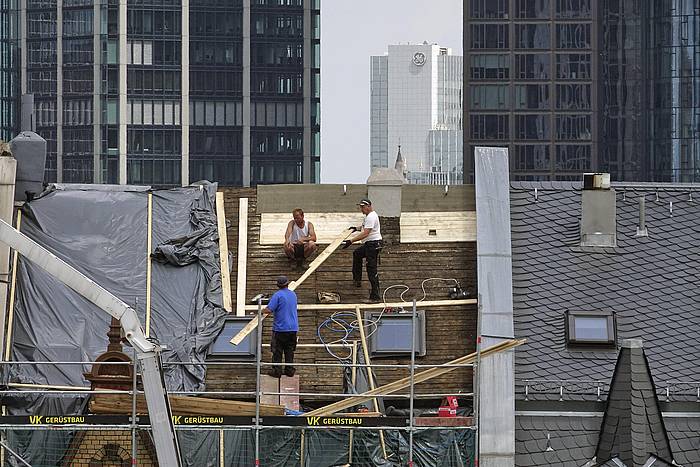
300,238
285,325
370,232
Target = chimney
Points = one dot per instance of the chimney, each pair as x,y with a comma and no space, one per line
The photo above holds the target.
598,211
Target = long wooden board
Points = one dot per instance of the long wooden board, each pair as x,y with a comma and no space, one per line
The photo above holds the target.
238,338
181,405
242,256
326,224
418,378
223,251
370,375
378,306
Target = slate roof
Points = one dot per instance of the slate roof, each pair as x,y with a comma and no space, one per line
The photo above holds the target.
633,426
651,283
573,440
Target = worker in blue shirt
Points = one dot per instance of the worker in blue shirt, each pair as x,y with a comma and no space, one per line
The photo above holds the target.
283,306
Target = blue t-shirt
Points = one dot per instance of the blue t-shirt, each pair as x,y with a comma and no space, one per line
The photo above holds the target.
284,309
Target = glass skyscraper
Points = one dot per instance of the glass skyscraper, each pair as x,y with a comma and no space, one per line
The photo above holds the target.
167,92
582,85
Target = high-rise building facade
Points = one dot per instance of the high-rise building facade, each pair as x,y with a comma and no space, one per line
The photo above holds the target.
166,92
582,85
9,63
416,103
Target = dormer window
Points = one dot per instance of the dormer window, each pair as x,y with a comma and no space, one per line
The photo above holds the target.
590,328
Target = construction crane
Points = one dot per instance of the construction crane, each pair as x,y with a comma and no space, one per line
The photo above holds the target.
148,353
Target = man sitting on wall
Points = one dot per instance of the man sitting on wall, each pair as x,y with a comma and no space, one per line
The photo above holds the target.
299,239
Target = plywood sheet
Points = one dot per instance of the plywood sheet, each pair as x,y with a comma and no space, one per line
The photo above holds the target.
327,225
438,227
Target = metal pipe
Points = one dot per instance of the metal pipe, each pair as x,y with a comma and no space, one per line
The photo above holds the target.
257,386
133,412
14,454
413,372
234,364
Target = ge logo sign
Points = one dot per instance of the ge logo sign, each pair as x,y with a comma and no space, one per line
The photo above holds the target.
419,59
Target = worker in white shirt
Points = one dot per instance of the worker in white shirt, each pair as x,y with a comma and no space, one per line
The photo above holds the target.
370,232
299,239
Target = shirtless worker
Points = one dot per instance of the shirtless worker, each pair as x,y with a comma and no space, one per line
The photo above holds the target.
299,239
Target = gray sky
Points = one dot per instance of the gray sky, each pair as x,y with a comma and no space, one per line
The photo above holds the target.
352,31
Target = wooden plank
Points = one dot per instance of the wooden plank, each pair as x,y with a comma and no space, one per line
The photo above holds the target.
368,369
242,255
418,378
149,244
182,405
274,225
11,309
238,338
378,306
438,227
223,252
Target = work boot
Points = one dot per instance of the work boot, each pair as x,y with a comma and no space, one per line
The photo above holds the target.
289,371
275,373
357,284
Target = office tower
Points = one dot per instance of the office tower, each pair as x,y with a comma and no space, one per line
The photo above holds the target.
9,78
167,92
416,104
579,85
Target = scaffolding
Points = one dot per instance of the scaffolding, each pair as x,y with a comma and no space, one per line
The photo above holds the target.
396,435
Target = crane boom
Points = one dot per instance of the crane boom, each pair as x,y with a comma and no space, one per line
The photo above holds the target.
147,352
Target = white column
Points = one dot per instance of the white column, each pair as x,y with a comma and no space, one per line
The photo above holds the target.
59,92
122,92
8,168
185,102
307,53
96,88
246,93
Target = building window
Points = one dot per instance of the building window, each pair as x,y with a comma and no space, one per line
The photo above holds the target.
591,328
489,126
490,67
535,127
222,348
489,96
532,9
533,66
573,36
489,8
489,36
573,127
531,157
573,96
532,36
393,333
573,158
573,9
573,66
532,96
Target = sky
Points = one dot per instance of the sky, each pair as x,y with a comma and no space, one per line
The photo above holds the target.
352,31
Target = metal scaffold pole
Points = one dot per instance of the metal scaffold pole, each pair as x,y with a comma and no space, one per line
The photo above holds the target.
411,388
257,386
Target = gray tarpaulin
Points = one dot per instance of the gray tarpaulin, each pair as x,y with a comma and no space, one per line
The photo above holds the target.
103,233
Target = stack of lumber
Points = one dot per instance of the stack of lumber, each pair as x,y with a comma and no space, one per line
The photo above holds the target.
181,405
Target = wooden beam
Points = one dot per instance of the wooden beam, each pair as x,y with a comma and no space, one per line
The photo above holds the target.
238,338
378,306
223,252
242,255
182,405
368,369
149,245
418,378
11,309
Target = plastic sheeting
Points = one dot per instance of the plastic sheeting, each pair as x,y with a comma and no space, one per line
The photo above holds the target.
103,233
